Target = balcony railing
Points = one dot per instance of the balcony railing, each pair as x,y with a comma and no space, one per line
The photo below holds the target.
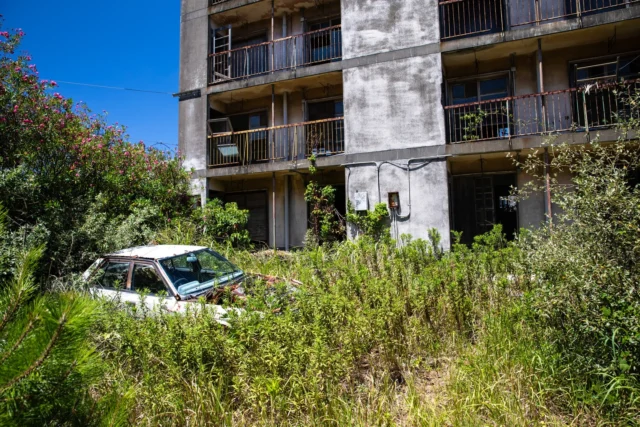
527,12
461,18
215,2
310,48
278,143
581,109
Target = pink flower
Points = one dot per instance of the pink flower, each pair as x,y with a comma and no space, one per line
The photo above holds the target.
77,174
15,108
54,84
4,34
17,69
27,121
99,146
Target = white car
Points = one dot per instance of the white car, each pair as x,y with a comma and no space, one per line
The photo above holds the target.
170,276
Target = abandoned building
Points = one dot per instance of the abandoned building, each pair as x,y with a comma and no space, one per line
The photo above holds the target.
413,103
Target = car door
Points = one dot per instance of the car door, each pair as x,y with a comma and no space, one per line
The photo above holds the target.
146,279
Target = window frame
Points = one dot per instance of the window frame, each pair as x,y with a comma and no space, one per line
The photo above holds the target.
168,288
478,78
306,103
598,61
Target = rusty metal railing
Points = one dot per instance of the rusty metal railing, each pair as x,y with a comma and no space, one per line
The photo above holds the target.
576,109
531,12
286,53
460,18
278,143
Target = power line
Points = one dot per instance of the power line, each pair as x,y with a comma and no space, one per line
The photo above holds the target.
113,87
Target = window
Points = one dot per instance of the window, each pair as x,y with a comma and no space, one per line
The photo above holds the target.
601,106
606,70
145,278
325,109
479,90
114,275
327,137
483,112
324,45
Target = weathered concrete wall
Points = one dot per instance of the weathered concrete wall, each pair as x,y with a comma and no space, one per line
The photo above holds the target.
192,114
394,105
423,205
194,45
374,26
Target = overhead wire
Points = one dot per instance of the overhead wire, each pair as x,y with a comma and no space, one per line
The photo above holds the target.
113,87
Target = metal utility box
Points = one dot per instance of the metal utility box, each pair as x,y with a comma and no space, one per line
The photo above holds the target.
361,201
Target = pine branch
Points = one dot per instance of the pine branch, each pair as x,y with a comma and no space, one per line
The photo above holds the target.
28,329
43,356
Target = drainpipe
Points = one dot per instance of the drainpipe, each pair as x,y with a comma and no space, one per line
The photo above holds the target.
286,213
273,209
543,115
285,120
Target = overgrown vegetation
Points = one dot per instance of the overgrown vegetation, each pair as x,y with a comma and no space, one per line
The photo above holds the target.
540,331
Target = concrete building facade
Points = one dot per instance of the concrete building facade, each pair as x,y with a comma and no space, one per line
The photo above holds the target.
423,100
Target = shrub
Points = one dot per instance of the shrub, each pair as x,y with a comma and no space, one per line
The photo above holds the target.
224,222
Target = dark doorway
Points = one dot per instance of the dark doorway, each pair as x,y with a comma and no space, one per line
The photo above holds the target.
256,203
480,202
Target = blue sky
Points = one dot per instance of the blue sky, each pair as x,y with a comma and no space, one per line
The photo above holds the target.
131,44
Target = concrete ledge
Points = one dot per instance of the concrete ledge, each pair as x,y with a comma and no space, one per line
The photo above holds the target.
229,5
560,26
454,150
275,77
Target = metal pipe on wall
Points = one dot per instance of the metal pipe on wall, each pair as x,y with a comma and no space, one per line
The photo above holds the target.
273,209
286,212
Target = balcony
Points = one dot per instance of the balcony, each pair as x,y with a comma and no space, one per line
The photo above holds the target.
463,18
305,49
584,109
215,2
277,143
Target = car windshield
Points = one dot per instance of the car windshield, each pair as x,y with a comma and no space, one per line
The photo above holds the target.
195,272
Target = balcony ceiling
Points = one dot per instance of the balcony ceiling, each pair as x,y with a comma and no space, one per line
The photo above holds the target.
294,85
625,30
262,10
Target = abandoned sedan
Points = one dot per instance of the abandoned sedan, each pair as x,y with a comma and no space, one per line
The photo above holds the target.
169,276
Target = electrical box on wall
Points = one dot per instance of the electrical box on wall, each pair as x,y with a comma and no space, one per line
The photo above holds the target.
394,200
361,201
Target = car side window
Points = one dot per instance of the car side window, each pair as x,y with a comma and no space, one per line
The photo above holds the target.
145,277
114,275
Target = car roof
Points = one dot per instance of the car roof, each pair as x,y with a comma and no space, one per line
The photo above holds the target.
156,251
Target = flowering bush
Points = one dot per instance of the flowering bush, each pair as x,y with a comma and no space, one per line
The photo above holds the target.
56,158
